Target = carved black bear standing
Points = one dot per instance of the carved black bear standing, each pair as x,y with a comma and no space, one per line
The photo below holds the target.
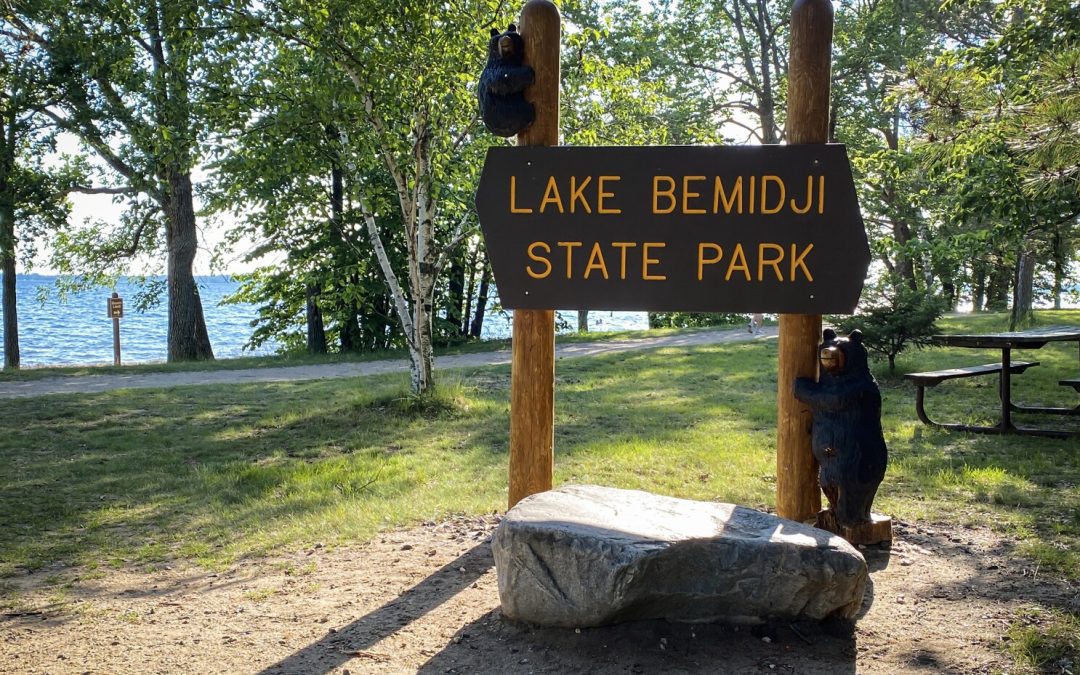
847,438
502,85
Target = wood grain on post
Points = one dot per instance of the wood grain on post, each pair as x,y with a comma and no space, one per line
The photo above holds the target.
532,376
798,495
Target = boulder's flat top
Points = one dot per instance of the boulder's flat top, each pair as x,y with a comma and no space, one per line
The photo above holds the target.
634,514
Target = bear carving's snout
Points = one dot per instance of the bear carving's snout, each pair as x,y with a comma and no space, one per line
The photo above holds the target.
506,47
832,359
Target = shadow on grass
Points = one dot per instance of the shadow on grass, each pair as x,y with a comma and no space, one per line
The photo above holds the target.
215,473
222,472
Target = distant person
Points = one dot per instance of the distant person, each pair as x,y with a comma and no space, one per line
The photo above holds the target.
757,321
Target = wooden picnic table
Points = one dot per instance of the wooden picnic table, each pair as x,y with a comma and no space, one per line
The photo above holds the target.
1035,338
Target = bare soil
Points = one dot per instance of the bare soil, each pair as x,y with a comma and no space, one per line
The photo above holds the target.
426,600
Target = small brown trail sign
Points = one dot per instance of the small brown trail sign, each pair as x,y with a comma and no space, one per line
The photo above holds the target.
691,228
115,307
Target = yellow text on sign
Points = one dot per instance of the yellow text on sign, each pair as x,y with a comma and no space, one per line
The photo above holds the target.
771,262
763,195
623,259
587,194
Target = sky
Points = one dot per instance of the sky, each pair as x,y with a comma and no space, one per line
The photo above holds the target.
90,208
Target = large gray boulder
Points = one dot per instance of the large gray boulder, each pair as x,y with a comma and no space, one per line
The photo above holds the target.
584,555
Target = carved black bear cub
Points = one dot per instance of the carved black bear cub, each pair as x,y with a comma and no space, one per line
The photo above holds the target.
847,438
502,85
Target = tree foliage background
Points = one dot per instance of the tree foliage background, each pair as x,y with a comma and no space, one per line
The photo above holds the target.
342,138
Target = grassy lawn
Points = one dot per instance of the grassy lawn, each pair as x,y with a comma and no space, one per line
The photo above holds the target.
212,474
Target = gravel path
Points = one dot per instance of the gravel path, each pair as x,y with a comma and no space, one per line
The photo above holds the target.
96,383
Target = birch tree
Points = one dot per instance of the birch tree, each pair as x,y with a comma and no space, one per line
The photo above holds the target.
410,111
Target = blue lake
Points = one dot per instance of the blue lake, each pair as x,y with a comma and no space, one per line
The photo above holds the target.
79,332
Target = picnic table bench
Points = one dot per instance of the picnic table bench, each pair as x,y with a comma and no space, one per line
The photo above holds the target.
1073,382
933,378
1035,338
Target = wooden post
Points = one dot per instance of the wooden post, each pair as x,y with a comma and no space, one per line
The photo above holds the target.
532,377
798,495
116,341
115,314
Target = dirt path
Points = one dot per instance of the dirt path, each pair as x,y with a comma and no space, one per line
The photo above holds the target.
95,383
425,600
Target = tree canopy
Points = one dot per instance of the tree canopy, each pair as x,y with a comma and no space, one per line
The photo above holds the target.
343,138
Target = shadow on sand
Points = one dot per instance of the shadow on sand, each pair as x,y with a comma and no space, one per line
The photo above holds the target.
494,644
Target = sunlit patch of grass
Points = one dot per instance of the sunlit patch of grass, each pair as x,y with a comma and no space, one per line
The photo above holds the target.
1046,641
988,484
213,474
1057,555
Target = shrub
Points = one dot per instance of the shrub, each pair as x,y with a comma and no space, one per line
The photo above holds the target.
896,320
694,319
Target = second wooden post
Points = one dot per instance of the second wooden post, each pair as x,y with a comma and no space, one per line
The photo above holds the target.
798,496
532,377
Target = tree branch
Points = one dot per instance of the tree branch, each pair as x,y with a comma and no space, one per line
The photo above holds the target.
90,190
130,251
456,237
737,79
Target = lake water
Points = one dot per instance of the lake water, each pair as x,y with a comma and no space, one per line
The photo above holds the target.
79,332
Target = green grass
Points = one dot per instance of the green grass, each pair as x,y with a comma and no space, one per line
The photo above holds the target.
1045,641
213,474
1025,486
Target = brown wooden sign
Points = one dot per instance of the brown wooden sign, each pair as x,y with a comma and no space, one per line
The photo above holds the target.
116,307
737,229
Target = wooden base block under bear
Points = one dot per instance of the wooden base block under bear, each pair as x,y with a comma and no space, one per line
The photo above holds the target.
874,531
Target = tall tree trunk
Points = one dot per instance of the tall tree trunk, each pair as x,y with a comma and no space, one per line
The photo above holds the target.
1059,266
187,336
583,321
948,290
12,357
978,287
1023,292
422,272
770,134
903,265
455,292
997,287
316,332
477,326
350,338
